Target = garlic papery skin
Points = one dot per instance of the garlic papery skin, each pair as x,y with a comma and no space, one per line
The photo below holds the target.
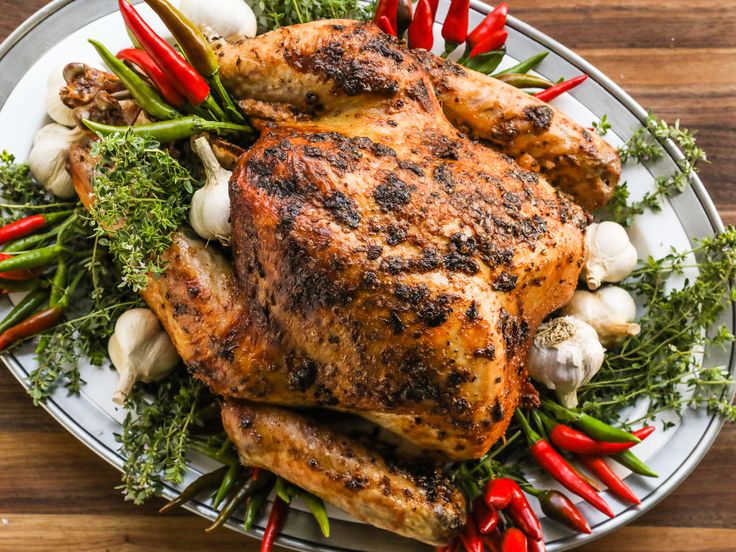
210,212
140,350
565,354
221,18
49,157
611,311
609,254
54,106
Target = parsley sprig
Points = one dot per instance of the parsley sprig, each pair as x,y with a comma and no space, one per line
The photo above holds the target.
141,197
646,145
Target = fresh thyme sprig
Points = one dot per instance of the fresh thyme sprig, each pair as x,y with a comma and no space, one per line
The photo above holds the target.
679,325
141,198
18,191
156,434
646,145
602,127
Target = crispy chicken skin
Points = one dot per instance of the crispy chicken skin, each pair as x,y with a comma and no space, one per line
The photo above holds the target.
345,472
388,265
277,84
540,137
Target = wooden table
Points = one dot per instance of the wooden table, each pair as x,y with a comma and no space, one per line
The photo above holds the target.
677,58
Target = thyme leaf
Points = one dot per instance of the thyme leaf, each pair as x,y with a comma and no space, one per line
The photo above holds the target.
646,145
142,195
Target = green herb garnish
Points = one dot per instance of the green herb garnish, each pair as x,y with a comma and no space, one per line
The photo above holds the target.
646,145
280,13
156,434
678,325
602,127
141,198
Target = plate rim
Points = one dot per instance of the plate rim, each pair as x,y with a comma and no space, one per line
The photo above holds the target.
666,486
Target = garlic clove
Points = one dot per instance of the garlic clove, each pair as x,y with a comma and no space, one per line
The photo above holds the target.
55,108
609,254
49,158
610,310
140,350
210,211
223,18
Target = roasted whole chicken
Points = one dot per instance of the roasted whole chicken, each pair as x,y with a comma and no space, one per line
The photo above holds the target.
400,229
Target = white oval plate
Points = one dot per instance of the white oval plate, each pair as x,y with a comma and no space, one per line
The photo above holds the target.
58,35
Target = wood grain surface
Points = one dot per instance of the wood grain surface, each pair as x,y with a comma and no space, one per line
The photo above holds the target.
677,58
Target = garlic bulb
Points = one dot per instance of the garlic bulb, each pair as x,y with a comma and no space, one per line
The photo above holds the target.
54,106
210,213
223,18
610,311
140,350
609,255
565,354
49,156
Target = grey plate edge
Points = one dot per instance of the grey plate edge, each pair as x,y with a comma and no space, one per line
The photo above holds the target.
664,489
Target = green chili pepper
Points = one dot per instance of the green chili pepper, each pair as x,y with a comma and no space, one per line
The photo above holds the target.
20,285
28,243
196,487
255,507
631,461
169,131
24,309
591,426
284,490
247,487
317,507
33,259
144,95
58,284
228,482
520,80
198,50
524,66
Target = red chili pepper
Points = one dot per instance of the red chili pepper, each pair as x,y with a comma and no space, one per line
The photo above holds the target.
385,25
644,432
505,493
16,275
163,84
434,4
276,519
513,541
493,22
560,508
552,92
554,464
453,546
493,42
28,225
455,27
493,541
603,471
486,517
190,83
499,493
535,546
421,34
470,536
30,326
572,440
389,9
